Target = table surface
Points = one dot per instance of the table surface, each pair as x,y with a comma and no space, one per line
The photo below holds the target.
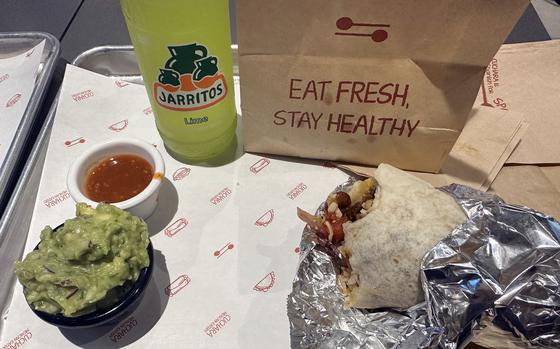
52,16
78,24
83,24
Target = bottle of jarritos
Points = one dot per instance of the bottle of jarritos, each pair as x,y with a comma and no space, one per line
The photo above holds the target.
184,53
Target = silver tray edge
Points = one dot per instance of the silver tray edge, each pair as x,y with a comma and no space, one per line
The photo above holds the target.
48,61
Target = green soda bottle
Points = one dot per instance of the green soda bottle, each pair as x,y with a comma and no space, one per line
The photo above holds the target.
184,53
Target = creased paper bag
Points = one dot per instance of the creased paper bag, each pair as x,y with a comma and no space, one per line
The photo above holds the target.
531,186
366,81
525,78
488,139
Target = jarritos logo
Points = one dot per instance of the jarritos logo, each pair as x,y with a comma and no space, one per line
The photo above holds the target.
191,79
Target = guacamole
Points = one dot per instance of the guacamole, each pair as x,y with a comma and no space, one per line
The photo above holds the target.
86,263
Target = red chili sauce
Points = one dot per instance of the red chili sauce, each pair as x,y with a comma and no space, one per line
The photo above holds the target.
118,178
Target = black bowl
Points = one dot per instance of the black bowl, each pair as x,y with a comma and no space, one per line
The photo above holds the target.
124,306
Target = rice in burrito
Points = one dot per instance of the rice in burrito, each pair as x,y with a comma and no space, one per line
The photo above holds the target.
385,229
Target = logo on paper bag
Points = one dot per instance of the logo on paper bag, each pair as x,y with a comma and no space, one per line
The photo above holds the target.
374,31
190,80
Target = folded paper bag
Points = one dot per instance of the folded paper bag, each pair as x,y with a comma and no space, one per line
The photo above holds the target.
365,81
525,78
541,192
489,138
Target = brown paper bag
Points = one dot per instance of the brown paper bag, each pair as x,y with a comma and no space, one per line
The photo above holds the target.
365,81
531,186
526,78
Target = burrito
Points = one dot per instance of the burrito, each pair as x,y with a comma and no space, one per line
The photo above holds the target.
383,230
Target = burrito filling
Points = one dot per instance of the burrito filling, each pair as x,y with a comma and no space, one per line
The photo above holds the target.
383,227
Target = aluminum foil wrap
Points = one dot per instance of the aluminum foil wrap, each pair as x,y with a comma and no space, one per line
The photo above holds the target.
494,281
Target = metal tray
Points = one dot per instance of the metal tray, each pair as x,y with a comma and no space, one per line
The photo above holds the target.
118,62
12,44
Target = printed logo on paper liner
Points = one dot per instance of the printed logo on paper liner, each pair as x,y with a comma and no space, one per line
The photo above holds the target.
259,165
227,247
266,283
175,227
217,324
265,219
147,111
119,126
72,142
221,196
121,83
13,100
294,193
19,340
181,173
56,199
190,79
177,285
80,96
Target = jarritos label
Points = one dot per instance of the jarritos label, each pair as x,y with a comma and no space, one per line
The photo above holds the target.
190,80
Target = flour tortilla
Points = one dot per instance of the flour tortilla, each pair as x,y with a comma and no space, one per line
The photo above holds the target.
385,248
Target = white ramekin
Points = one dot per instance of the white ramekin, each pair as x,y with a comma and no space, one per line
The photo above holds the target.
141,205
